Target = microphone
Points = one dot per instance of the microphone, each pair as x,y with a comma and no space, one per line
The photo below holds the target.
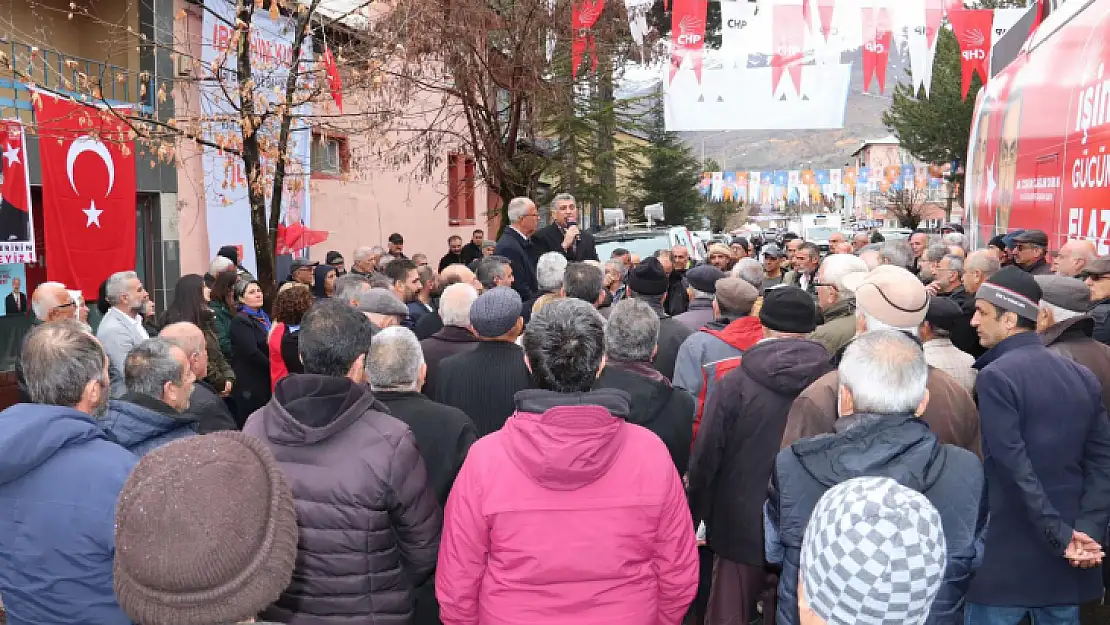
570,224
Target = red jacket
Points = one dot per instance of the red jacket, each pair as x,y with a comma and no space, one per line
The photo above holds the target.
568,514
278,369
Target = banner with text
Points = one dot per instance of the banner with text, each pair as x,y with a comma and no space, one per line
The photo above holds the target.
225,181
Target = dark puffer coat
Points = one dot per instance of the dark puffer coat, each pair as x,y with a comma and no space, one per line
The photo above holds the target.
369,524
902,448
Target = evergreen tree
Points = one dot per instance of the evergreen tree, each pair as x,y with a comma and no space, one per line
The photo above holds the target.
935,129
670,176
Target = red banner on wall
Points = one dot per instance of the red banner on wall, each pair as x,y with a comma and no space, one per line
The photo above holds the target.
876,46
88,192
973,30
17,237
583,16
688,34
788,31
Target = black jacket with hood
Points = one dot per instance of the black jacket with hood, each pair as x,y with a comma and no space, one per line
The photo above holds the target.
902,448
369,524
656,405
736,445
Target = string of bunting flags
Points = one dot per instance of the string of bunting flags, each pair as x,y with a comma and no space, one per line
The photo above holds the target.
814,186
787,64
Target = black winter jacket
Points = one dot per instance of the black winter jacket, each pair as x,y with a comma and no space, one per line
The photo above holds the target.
482,383
1100,310
902,448
444,436
369,524
739,436
656,405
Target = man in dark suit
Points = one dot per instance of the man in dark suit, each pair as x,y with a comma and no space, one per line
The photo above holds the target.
516,246
473,251
16,303
563,235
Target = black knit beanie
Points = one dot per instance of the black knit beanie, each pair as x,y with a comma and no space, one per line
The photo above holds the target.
206,532
1013,290
788,309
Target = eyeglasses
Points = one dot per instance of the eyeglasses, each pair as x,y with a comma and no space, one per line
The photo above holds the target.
72,303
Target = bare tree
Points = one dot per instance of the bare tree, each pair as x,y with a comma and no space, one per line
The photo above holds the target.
908,206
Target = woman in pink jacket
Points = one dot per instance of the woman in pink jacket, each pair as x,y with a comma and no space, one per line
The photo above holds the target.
568,514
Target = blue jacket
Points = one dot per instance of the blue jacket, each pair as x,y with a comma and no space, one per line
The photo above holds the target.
513,246
1046,454
60,477
142,424
902,448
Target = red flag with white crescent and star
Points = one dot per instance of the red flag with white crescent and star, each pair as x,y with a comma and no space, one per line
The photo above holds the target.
88,191
17,241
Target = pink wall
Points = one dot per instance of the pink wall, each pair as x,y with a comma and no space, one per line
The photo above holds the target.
361,211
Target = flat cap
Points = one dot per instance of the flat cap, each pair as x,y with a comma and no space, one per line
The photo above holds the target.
381,302
1033,237
1098,267
1067,293
704,278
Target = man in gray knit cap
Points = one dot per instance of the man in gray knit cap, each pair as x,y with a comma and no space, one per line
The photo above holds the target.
483,381
874,554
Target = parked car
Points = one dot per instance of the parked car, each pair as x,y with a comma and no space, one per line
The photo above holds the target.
645,241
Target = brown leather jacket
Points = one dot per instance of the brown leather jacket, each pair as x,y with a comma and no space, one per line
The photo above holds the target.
951,413
1072,340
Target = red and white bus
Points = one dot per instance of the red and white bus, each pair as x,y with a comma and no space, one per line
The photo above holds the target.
1039,155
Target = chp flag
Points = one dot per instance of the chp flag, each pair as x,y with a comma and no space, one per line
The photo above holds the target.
88,191
17,235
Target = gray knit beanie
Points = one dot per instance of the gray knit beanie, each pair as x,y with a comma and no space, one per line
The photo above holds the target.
206,532
873,554
495,312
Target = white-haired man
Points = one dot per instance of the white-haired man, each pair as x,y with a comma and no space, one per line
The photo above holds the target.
563,235
837,302
122,326
882,380
889,298
456,336
515,244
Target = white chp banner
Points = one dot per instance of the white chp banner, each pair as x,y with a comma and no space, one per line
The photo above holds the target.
225,181
740,32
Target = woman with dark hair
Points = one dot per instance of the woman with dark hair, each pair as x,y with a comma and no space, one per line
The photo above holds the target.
290,307
323,285
222,302
191,304
250,356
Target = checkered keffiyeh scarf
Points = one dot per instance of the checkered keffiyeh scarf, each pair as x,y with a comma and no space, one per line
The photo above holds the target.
873,554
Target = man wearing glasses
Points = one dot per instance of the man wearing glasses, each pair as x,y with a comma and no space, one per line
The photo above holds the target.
1097,276
515,244
1030,250
50,303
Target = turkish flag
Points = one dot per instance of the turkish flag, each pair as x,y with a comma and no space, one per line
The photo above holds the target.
877,37
15,194
335,83
88,192
787,40
973,30
688,34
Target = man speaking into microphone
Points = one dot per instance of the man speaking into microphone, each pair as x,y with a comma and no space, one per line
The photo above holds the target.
563,235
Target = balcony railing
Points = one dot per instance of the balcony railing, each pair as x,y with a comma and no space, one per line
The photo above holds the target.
63,73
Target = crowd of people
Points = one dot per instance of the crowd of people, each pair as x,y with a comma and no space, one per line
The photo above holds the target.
892,432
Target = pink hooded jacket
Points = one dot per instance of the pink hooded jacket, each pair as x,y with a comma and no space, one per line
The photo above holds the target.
568,514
